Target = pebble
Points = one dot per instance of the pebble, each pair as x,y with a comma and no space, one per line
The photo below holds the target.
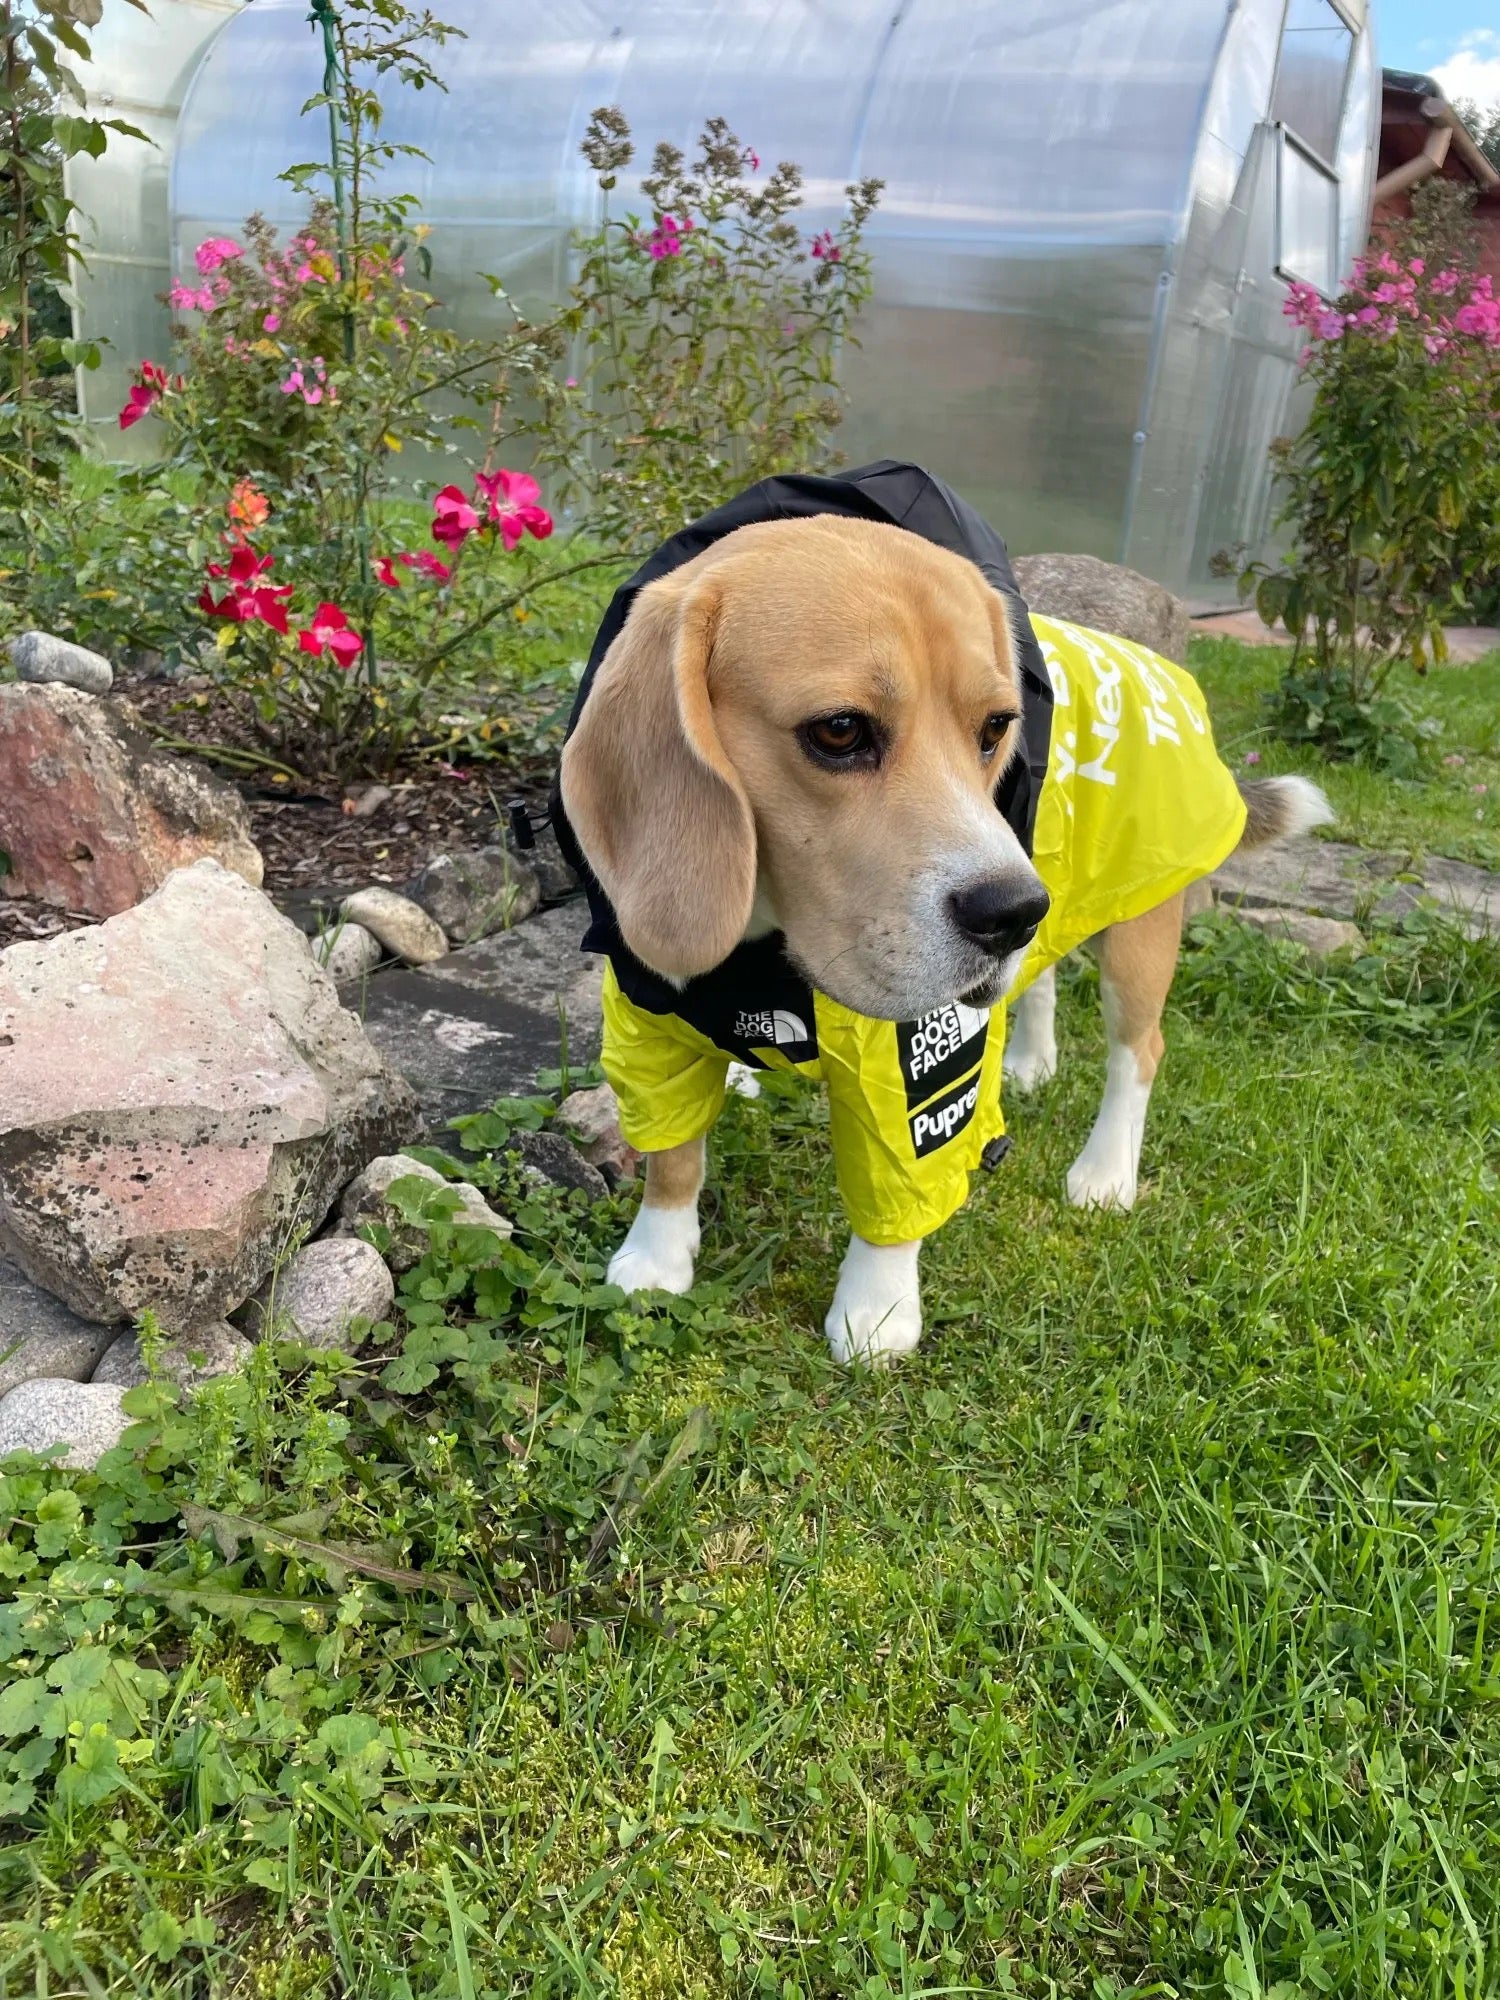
549,1157
365,1201
190,1358
38,656
592,1119
320,1292
85,1416
1319,937
348,951
39,1336
401,925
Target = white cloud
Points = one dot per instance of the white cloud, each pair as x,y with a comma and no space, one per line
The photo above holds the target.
1473,70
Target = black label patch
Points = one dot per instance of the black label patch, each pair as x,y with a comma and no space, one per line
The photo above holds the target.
936,1123
939,1048
939,1056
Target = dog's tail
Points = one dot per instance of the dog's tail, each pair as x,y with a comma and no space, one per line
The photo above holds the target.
1281,808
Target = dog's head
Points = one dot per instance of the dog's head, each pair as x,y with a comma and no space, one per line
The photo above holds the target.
803,729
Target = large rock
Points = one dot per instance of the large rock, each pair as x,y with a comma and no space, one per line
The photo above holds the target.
1108,597
37,656
84,1416
318,1295
179,1090
92,817
39,1336
367,1200
1336,879
472,894
481,1022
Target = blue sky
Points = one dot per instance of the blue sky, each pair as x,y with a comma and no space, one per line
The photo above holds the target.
1458,41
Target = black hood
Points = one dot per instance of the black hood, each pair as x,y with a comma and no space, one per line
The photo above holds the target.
890,491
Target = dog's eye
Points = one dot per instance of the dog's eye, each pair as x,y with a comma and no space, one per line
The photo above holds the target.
993,731
845,738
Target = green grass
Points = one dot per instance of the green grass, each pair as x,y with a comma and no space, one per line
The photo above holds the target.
1453,809
1137,1637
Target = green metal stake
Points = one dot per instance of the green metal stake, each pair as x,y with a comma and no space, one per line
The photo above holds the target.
334,79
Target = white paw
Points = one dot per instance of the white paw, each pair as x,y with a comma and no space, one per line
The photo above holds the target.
877,1307
657,1254
1101,1183
1030,1069
742,1080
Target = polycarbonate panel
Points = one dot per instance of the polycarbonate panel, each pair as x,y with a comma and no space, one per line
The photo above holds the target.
1307,219
1065,258
1309,95
140,68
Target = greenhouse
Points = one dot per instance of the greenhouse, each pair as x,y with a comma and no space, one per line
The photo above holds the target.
1090,212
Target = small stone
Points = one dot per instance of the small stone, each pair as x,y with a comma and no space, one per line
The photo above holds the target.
38,656
549,1159
85,1416
365,804
366,1201
476,893
591,1118
348,951
321,1291
401,925
39,1336
1197,898
215,1349
1319,937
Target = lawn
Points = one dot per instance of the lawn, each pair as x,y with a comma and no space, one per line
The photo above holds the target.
1136,1637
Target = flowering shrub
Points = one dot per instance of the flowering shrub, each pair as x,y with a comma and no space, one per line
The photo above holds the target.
708,331
1392,493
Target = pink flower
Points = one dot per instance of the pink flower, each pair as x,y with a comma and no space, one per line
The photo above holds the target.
271,322
666,241
385,571
824,246
246,598
753,159
429,565
215,251
292,383
453,519
1252,756
1330,325
329,632
1417,267
183,298
148,390
304,273
513,509
571,383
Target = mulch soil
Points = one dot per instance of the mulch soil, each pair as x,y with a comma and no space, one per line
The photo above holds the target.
321,839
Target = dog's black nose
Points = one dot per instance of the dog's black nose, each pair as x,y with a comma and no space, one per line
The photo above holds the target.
999,916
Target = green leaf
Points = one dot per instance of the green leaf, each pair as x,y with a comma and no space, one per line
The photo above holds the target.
334,1558
161,1936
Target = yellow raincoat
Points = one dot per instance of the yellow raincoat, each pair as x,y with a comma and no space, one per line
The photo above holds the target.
1135,806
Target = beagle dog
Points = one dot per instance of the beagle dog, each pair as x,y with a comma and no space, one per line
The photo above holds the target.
783,780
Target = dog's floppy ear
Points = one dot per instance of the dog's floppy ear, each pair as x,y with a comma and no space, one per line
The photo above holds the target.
659,812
